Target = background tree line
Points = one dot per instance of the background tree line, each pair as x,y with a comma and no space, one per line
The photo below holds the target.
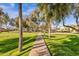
43,16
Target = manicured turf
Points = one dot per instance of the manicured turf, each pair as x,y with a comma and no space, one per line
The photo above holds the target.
9,43
63,44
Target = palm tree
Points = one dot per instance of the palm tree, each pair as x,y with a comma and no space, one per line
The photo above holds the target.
1,16
33,20
46,10
4,18
55,12
20,27
32,23
12,22
17,21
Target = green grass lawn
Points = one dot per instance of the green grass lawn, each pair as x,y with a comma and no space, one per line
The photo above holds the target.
9,43
63,44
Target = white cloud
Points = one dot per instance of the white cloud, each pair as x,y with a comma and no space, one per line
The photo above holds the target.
13,14
6,8
12,5
10,10
28,11
2,6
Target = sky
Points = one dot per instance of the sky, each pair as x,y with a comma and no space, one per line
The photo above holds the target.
12,10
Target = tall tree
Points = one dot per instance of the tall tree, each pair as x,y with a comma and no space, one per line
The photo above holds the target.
17,21
1,16
55,12
12,22
20,27
65,11
4,18
33,20
47,13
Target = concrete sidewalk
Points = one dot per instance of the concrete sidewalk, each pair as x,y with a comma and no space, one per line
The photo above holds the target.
39,48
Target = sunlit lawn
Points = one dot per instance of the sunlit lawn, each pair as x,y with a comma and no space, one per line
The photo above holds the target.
63,44
9,43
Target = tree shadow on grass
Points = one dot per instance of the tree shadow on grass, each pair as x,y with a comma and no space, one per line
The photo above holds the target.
29,41
10,44
69,47
47,37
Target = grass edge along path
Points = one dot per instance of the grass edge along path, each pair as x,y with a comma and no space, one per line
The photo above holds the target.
63,44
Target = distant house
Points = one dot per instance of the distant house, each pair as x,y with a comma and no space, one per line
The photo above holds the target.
63,29
67,29
72,30
2,29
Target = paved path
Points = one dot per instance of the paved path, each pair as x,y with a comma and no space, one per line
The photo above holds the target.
39,48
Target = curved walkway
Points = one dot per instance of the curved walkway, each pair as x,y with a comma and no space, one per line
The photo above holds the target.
39,48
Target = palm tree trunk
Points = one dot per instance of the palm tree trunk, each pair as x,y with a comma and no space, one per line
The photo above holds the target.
49,32
0,28
20,27
44,33
49,29
1,22
0,25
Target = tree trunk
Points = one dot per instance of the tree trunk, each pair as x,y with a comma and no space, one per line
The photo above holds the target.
0,25
77,23
20,27
49,32
44,32
49,29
